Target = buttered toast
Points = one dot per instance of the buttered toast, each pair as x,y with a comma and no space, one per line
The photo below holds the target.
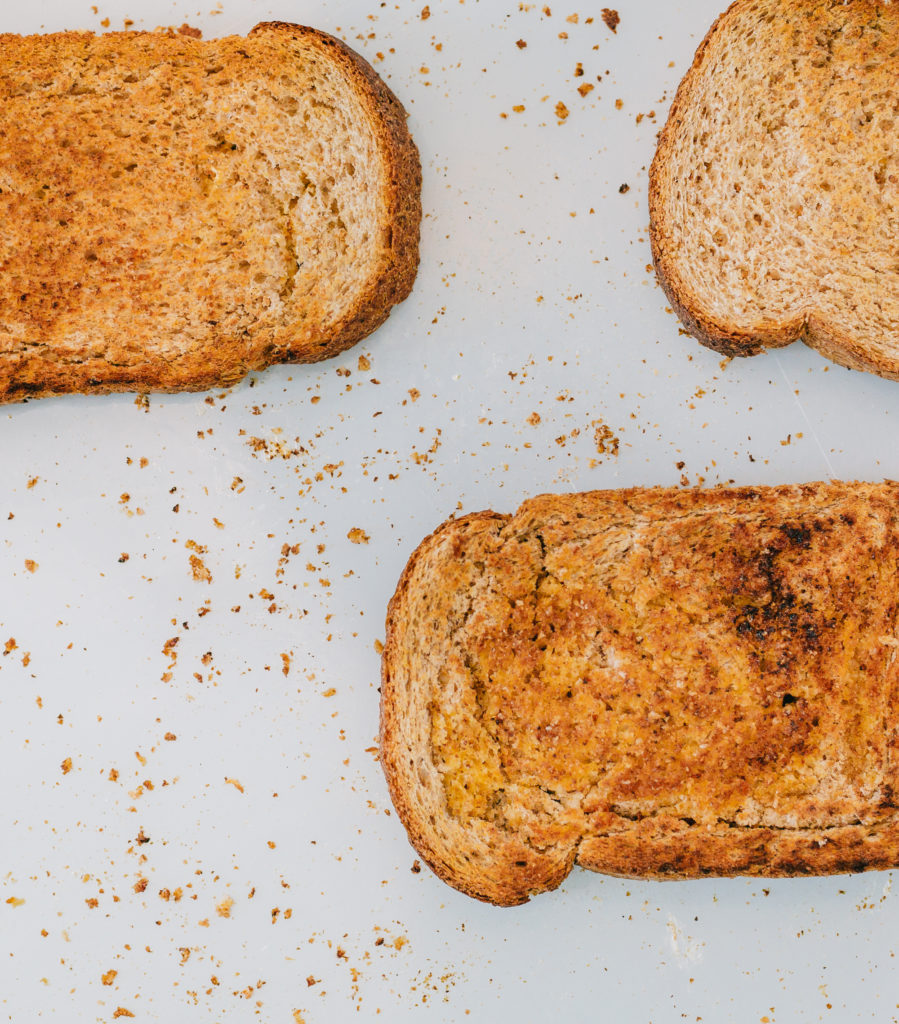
650,683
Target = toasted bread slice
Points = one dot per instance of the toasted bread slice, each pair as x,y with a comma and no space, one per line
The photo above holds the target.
774,193
177,212
649,683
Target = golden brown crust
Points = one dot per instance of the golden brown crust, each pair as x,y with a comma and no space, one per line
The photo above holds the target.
402,186
651,683
838,340
480,861
71,325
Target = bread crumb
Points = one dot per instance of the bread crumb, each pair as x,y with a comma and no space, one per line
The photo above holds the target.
199,570
66,766
521,44
109,977
121,1011
15,901
235,784
606,442
611,17
358,536
31,565
561,111
223,909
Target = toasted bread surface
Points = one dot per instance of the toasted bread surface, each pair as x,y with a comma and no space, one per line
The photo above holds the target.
774,192
649,683
178,212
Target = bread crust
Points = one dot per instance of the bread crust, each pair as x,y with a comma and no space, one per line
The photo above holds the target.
742,591
31,366
399,263
482,862
721,333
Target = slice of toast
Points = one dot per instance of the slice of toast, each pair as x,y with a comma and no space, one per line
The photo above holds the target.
649,683
774,193
178,212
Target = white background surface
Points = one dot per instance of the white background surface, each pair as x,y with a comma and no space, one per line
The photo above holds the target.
533,296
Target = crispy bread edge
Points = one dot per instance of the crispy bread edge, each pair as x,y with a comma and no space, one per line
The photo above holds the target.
393,280
481,861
